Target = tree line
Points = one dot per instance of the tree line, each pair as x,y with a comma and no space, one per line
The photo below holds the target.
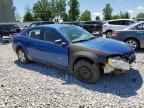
49,10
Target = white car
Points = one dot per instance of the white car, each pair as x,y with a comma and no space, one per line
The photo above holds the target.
113,25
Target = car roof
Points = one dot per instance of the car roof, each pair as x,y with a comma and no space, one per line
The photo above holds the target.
56,26
120,20
135,24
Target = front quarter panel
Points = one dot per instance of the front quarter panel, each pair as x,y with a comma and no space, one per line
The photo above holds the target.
76,52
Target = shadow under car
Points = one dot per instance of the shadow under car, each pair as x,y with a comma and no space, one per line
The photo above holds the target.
123,85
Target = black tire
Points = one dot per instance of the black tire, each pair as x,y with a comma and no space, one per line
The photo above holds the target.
86,72
133,42
108,33
20,54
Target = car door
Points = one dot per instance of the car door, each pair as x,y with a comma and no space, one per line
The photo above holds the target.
140,31
34,43
54,49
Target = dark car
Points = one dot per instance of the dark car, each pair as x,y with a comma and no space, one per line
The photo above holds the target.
37,24
7,29
72,23
94,27
73,48
132,35
14,27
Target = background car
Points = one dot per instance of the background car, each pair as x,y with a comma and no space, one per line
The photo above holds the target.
7,29
94,27
41,23
37,24
113,25
132,35
73,48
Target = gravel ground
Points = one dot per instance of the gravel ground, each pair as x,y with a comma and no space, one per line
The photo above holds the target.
38,86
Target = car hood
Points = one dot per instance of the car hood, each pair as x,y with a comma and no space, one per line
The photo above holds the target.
106,45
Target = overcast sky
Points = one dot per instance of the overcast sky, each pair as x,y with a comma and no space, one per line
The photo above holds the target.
95,6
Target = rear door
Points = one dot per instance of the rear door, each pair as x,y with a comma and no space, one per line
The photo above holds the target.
34,43
140,32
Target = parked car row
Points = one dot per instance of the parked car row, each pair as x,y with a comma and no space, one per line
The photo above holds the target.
125,30
94,27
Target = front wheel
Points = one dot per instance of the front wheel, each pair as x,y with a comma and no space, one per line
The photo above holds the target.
87,72
22,56
109,34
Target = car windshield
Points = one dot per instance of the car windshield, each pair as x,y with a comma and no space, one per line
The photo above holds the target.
76,34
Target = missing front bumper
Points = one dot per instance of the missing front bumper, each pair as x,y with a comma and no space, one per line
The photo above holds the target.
114,65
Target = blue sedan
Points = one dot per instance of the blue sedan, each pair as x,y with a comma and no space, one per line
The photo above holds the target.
71,47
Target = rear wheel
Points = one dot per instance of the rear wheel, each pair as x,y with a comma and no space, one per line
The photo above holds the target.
87,72
133,42
22,56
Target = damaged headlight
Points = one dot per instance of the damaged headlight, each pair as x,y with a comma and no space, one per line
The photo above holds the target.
118,63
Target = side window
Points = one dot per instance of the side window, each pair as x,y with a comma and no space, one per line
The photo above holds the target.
127,22
116,22
120,22
36,34
50,36
112,22
140,27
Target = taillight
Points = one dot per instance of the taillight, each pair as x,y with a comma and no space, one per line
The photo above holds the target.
115,33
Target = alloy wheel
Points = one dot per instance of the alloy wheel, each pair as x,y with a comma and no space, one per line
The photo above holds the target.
21,56
132,43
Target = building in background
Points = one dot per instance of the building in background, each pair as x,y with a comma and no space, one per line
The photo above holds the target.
6,11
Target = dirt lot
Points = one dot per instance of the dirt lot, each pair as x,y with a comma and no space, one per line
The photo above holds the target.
35,85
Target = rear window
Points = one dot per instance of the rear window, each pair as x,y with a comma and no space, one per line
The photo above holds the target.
116,22
121,22
127,22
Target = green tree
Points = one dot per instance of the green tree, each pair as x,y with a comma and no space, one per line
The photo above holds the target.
107,12
61,9
86,16
42,10
97,18
28,15
124,15
127,15
115,17
53,9
65,17
140,15
74,10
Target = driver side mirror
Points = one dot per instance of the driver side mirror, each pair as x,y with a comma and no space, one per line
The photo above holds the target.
60,42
